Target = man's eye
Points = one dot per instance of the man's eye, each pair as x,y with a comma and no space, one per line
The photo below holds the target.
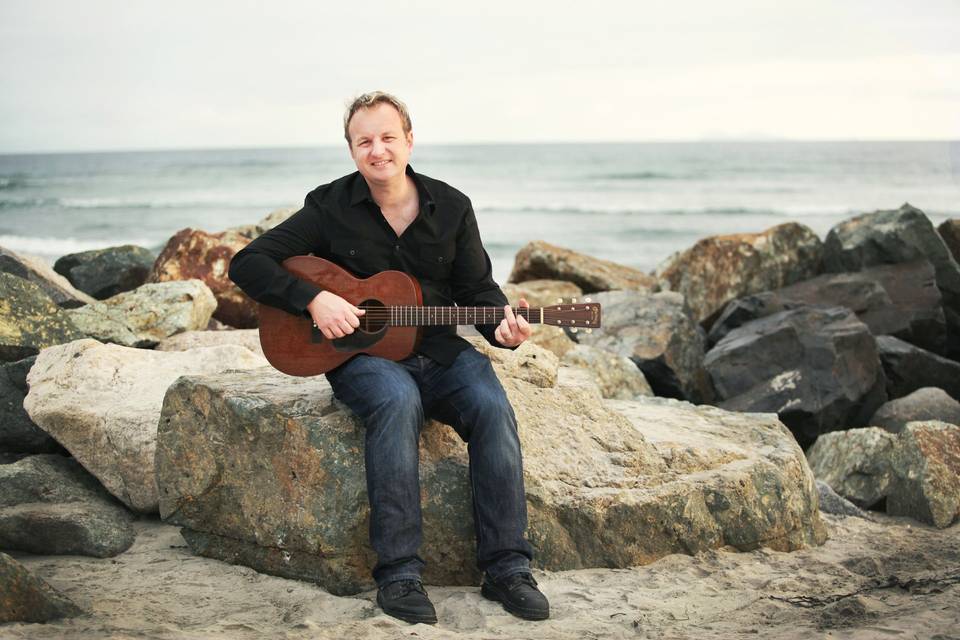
389,138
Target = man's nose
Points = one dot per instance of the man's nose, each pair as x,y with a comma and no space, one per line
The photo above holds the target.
378,147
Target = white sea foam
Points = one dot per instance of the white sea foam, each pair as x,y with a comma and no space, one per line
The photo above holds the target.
52,248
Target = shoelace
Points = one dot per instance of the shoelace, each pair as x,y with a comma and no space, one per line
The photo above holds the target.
406,586
522,578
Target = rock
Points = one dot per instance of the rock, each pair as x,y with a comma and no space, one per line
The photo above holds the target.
26,598
55,286
102,402
248,338
274,218
609,483
553,339
928,403
916,471
657,333
816,367
540,260
949,230
192,253
926,474
908,368
895,236
616,376
719,269
833,503
855,463
148,314
900,300
528,362
103,273
50,505
542,293
18,434
29,320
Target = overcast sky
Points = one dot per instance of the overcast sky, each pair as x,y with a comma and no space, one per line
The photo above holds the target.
92,74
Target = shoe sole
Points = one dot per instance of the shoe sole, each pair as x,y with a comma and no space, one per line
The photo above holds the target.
527,614
412,618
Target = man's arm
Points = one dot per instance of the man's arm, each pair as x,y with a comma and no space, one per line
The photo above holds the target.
256,268
472,282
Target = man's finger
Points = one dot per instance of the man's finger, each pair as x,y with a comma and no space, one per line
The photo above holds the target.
357,310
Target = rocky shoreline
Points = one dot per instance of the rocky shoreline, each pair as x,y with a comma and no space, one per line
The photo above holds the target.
132,386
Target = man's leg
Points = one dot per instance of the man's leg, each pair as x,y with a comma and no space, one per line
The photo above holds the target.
385,397
469,396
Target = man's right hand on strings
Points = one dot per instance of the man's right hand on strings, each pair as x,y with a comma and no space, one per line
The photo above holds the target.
334,316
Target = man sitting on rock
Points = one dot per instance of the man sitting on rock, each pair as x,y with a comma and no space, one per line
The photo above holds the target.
386,216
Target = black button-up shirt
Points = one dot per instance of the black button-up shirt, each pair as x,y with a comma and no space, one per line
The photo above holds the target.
341,222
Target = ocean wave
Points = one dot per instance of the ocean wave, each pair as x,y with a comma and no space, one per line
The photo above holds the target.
12,182
642,175
49,247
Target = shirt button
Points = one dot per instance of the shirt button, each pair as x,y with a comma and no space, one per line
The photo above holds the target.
440,259
396,247
353,252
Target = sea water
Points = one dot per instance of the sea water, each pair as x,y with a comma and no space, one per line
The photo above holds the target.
632,203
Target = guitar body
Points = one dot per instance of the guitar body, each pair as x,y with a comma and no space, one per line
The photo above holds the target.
294,346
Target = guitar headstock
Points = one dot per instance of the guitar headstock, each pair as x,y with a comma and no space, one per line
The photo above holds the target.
573,315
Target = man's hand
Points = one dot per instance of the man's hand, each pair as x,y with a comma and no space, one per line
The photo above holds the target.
513,330
334,316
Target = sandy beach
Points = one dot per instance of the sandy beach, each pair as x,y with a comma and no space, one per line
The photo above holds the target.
889,577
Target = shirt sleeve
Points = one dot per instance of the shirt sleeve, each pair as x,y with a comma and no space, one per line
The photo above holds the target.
472,283
257,267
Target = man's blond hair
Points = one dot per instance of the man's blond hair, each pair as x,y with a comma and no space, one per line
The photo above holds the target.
370,100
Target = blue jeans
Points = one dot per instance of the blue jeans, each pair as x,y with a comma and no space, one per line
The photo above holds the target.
392,399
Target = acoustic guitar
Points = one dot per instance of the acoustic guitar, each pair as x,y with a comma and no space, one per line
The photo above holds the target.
391,326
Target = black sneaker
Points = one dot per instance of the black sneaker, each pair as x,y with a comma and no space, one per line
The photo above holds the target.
407,600
519,595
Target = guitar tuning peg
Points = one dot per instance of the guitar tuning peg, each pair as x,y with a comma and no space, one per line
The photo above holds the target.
559,300
589,330
573,300
574,330
587,300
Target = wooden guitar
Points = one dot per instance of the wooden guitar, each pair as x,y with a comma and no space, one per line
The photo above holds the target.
390,328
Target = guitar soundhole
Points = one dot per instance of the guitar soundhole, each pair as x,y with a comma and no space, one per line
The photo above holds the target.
375,319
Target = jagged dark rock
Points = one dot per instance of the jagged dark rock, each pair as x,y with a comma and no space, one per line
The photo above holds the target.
106,272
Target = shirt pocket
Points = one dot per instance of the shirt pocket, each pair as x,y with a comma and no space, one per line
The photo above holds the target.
436,260
350,254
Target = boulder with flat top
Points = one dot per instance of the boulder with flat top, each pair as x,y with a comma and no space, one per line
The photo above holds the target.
541,260
609,483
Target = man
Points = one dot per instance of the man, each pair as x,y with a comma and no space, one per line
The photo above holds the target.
386,216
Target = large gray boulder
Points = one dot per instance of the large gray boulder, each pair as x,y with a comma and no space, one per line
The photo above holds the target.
18,434
50,505
855,463
657,332
719,269
148,314
26,598
908,368
543,261
928,403
816,367
901,300
102,403
29,320
54,285
103,273
609,483
916,471
249,338
895,236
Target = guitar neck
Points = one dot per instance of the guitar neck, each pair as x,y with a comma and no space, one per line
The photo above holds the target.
406,316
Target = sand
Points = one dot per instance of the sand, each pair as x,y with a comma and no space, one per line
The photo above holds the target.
884,578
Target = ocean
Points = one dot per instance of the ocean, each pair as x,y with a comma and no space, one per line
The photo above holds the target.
631,203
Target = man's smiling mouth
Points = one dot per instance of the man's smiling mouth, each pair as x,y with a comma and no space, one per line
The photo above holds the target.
380,163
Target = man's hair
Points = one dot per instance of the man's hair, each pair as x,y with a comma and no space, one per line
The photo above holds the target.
370,100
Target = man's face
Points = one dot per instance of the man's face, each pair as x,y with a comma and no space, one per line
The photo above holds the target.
379,147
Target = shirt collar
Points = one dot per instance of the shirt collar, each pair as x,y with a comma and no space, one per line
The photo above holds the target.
361,191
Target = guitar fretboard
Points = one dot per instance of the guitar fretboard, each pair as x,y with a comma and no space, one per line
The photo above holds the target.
399,316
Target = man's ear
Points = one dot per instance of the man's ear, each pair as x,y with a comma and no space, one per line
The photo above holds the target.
410,140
